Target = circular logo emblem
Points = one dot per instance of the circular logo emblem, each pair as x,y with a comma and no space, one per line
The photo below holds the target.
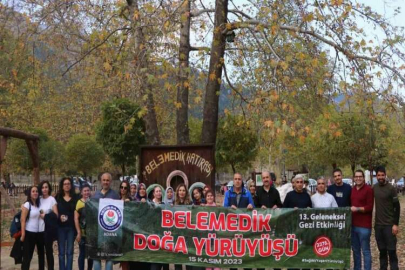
323,246
110,218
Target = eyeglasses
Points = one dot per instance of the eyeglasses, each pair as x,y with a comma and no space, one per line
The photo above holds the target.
66,184
321,184
358,177
124,188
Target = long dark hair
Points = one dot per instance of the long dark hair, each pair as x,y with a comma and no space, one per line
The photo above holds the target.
127,194
29,199
41,185
177,200
61,193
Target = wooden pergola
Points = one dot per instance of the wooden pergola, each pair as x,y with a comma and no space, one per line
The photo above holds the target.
32,144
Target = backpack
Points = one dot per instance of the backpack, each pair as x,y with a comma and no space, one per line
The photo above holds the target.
15,227
82,217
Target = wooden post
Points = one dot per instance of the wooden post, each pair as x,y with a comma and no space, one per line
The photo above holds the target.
33,148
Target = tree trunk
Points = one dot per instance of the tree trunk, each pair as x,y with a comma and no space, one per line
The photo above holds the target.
233,168
140,68
123,169
183,134
353,167
212,90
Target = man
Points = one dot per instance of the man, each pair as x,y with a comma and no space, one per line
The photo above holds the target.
267,195
362,199
237,196
387,210
298,198
341,191
105,193
322,199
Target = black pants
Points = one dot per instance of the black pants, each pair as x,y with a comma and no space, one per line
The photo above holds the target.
387,245
31,240
49,253
159,266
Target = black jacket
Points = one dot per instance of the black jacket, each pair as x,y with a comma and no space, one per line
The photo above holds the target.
51,227
16,251
268,199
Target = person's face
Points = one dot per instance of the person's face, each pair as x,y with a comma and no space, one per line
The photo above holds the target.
169,193
293,183
252,189
337,176
358,178
105,181
210,198
196,194
34,193
86,193
157,193
381,177
182,193
45,189
133,190
237,180
320,185
299,184
124,188
266,179
205,190
142,191
67,185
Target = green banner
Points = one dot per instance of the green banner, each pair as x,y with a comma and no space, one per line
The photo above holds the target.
217,236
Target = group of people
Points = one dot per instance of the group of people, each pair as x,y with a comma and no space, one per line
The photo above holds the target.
45,218
360,198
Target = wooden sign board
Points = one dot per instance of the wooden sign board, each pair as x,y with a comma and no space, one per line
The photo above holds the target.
174,164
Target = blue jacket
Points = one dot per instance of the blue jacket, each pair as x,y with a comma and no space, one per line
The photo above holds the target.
245,199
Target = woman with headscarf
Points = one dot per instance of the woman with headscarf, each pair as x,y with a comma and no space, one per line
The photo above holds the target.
132,191
141,195
169,198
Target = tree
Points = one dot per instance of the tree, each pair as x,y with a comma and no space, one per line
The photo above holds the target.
84,154
236,143
121,132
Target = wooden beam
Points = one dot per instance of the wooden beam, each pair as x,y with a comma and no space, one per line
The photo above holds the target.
9,132
33,148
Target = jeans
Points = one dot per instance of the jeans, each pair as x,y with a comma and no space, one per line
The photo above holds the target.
387,245
82,255
97,265
66,238
361,245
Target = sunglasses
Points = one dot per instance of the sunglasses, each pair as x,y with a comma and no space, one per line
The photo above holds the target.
124,188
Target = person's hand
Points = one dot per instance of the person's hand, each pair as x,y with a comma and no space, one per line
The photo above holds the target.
250,207
202,204
78,237
264,207
42,215
22,237
353,208
394,229
295,207
143,200
234,207
274,206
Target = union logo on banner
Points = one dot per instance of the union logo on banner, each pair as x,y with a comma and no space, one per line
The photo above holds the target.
110,218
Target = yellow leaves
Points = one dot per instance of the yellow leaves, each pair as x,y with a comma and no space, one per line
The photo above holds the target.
337,134
268,123
309,17
177,105
383,127
168,86
302,138
141,112
186,84
15,73
337,2
164,76
229,26
107,66
274,29
197,100
213,76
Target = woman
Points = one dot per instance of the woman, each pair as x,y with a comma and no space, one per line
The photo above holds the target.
80,224
252,190
141,194
157,200
132,190
182,196
169,198
124,191
197,196
47,207
210,198
30,234
66,201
